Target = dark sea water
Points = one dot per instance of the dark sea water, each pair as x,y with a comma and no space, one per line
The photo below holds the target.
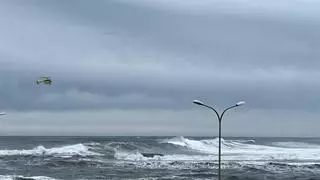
183,158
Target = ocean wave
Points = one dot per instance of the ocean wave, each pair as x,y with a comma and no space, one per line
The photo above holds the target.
295,145
64,151
208,162
185,149
134,156
15,177
243,150
180,161
74,163
208,145
92,144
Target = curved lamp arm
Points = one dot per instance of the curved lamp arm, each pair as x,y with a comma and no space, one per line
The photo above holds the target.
200,103
213,110
236,105
227,110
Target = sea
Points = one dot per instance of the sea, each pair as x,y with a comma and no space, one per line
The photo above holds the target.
51,158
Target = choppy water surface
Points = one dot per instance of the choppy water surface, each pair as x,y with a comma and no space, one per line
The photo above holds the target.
176,158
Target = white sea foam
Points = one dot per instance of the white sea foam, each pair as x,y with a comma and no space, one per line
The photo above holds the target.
92,144
237,150
207,146
64,151
13,177
232,150
178,157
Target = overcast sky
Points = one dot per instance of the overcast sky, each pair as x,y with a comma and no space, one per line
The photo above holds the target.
133,67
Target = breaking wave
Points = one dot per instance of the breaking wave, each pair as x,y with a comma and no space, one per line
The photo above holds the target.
15,177
64,151
236,154
246,151
177,153
180,155
208,145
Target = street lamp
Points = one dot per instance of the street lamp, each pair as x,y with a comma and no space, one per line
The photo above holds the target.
200,103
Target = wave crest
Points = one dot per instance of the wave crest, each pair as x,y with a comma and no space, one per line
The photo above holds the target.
246,150
208,146
64,151
10,177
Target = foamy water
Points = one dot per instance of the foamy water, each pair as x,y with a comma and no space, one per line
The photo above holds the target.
64,151
171,158
17,177
245,150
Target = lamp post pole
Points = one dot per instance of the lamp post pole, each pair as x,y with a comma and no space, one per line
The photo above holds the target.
220,119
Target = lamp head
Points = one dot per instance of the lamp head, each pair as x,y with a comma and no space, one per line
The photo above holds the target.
240,103
197,102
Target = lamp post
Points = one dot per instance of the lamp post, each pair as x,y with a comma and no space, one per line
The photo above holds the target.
197,102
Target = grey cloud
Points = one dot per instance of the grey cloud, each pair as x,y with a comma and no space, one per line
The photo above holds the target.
133,55
253,39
